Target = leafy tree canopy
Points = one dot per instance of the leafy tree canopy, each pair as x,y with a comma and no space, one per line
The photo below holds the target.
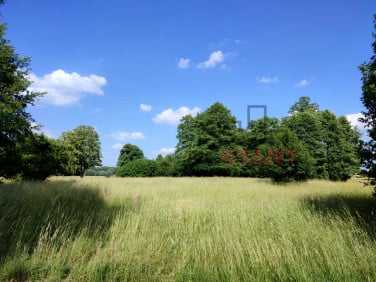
15,97
368,98
85,147
201,140
304,105
129,153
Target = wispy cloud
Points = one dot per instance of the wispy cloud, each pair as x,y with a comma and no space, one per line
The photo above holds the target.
145,108
184,63
122,136
173,117
66,89
216,58
267,80
303,83
117,146
97,110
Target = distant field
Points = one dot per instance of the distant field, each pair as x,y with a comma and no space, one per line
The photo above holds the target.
187,229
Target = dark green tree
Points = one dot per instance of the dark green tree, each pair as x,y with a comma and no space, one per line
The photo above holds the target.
260,130
41,157
340,143
368,99
129,153
331,141
15,97
138,168
307,126
84,146
201,140
286,158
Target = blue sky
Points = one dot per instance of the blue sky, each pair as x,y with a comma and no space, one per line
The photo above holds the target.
131,69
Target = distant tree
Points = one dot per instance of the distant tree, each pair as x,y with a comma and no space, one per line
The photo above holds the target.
100,171
85,147
138,168
304,105
201,140
368,99
129,153
15,97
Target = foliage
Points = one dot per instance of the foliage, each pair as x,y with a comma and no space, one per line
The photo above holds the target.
41,157
138,168
304,105
331,141
85,147
368,99
15,97
288,158
166,165
201,140
129,153
100,171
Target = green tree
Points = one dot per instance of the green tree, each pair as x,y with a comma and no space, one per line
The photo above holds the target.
41,157
287,157
165,165
368,98
307,126
138,168
129,153
15,97
260,130
331,141
85,147
201,140
340,143
303,105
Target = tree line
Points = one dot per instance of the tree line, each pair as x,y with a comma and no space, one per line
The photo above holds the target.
308,143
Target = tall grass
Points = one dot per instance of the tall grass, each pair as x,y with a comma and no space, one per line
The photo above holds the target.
187,229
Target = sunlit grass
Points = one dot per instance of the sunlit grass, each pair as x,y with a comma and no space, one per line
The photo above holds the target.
198,229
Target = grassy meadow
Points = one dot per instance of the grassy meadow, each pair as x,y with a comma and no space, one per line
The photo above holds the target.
186,229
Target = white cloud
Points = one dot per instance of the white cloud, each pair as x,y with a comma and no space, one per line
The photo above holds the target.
215,59
117,146
166,151
145,108
171,117
267,80
304,83
66,89
354,121
122,136
184,63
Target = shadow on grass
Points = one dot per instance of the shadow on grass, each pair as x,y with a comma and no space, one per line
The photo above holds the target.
53,213
359,208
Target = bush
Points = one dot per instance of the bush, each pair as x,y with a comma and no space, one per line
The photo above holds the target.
138,168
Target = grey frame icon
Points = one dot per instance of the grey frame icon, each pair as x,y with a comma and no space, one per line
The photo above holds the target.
249,107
